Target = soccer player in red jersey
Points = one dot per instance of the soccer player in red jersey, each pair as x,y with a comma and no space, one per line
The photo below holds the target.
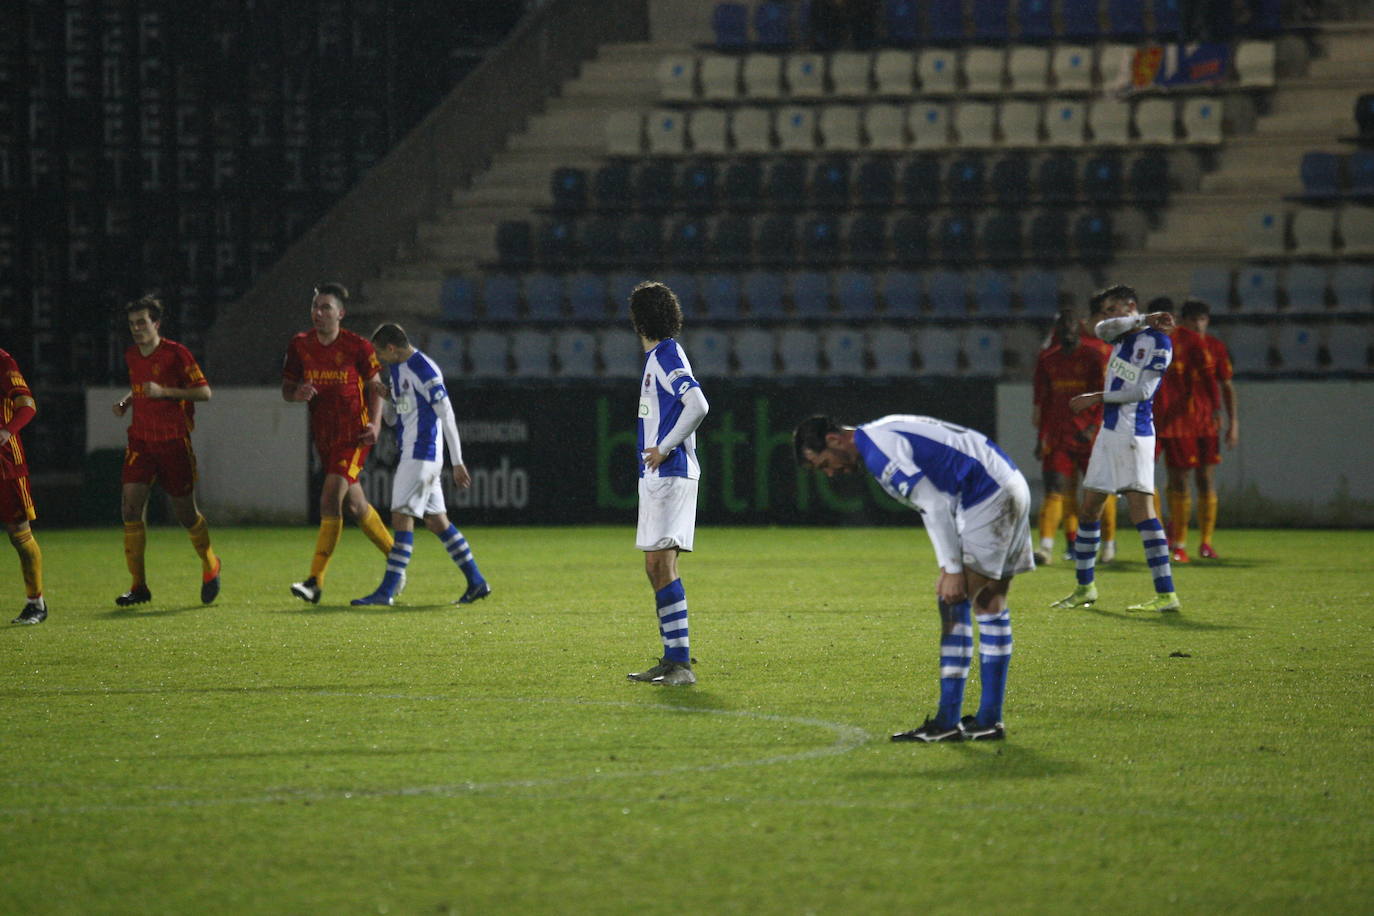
17,408
165,382
1067,367
335,371
1198,448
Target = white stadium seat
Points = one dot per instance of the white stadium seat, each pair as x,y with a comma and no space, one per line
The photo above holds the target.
1314,231
1072,66
973,123
1154,121
709,351
938,350
844,350
894,72
667,131
1348,347
983,350
1255,63
928,125
707,130
1249,345
1298,345
983,70
1064,122
1109,122
1028,67
752,130
891,349
762,74
676,75
805,76
796,128
1019,120
487,354
530,352
839,126
885,126
799,352
1357,230
719,77
849,72
938,71
1202,119
625,133
1264,232
446,349
754,351
576,353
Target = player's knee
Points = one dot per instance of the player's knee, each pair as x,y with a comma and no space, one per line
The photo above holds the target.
437,523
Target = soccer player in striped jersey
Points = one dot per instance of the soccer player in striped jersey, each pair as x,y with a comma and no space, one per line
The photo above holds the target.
671,407
335,371
976,509
1123,456
165,383
419,407
17,408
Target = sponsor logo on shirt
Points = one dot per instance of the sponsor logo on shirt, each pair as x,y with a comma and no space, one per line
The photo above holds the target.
644,407
1124,370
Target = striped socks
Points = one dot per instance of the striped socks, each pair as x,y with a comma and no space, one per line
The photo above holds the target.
458,549
397,559
671,601
1157,554
1085,551
994,657
956,654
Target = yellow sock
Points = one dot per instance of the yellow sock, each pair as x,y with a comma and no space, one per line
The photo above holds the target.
331,526
30,562
1207,517
1180,507
200,540
1051,511
376,530
1109,518
135,542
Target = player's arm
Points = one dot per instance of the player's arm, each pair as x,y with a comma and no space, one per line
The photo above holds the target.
937,512
443,409
1110,329
25,408
1228,400
121,406
694,410
163,392
293,389
372,391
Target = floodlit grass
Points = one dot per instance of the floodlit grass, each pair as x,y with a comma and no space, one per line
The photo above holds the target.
267,756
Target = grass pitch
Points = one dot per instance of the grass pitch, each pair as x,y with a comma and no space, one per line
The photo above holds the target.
267,756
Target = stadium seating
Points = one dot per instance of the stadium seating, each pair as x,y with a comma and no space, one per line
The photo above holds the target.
849,73
856,294
1109,122
944,21
696,189
719,78
655,185
458,298
992,293
1348,348
587,296
621,356
708,130
515,243
686,287
805,75
1257,290
624,133
543,293
1255,63
810,292
1103,181
796,129
1079,20
1010,181
688,240
1039,292
1357,231
575,353
1019,122
710,352
500,297
1035,20
722,295
1000,234
1265,233
676,77
1212,285
764,290
1251,347
843,348
894,72
755,352
488,354
1304,287
730,23
839,128
983,70
1313,231
1127,20
982,349
948,294
1064,122
752,130
974,123
937,349
937,70
761,75
1201,119
1093,237
1352,285
557,243
773,26
1028,68
867,238
1072,66
1148,179
928,125
798,353
1057,179
820,239
990,21
902,292
1361,168
1154,121
446,349
611,188
885,126
568,187
1298,348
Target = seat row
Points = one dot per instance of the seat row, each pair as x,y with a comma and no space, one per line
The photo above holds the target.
1331,178
924,125
1312,232
1295,347
840,182
1049,236
1025,69
837,351
1300,288
780,25
763,296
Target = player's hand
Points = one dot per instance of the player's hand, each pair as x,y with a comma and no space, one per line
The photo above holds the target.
120,408
1160,321
1233,435
5,437
369,435
951,587
154,390
461,478
304,392
653,458
1081,402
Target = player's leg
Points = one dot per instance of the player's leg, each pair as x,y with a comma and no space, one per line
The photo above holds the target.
402,546
1070,515
368,518
1085,546
16,508
667,524
1180,508
133,502
460,551
1051,510
1205,477
1156,545
327,539
994,656
177,474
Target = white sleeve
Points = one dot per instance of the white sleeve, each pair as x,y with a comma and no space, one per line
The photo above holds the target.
1112,328
443,409
937,512
1141,390
694,410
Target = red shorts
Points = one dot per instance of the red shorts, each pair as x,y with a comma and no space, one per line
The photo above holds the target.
16,502
1190,451
1065,462
170,462
343,458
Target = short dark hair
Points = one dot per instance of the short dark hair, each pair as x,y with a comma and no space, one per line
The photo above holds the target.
1161,304
809,436
1117,291
654,311
390,335
151,304
1195,308
1095,304
337,290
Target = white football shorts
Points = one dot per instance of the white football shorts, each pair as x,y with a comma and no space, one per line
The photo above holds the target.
667,513
1121,462
995,534
417,489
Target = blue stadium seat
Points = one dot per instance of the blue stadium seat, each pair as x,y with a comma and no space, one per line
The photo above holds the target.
867,239
773,26
515,243
776,241
587,296
902,292
921,182
697,186
730,23
1321,177
964,182
721,294
1168,19
1103,182
742,188
948,294
1079,20
1212,285
569,187
830,183
1266,19
956,239
856,294
643,240
1057,179
1353,287
601,243
1040,292
821,239
945,21
763,290
785,185
992,293
654,185
558,242
1035,18
990,24
688,241
501,297
1011,180
902,23
1049,236
611,188
1127,20
688,291
876,185
1257,290
810,294
458,298
911,239
1001,237
1148,179
543,296
1360,167
1093,239
733,242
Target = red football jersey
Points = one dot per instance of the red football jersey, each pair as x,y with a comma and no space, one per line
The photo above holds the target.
1173,406
170,365
1212,366
338,413
12,387
1059,375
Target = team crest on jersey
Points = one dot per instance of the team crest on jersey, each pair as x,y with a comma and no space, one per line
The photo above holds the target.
1140,354
648,381
338,359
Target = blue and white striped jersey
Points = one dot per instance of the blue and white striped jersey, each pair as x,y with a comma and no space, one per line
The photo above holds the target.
1139,357
420,405
937,468
667,377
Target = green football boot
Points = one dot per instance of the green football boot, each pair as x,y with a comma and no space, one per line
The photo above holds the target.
1166,602
1083,596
